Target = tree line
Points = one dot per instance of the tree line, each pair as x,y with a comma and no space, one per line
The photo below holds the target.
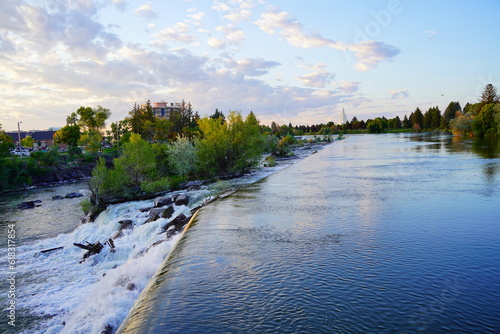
478,119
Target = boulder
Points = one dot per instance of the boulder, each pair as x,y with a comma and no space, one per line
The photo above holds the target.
74,195
152,219
162,201
126,224
168,212
26,205
182,200
57,197
178,222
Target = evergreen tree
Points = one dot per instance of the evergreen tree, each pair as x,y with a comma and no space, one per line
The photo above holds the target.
490,94
450,113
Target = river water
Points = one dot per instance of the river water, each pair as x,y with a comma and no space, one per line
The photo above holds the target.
55,292
394,233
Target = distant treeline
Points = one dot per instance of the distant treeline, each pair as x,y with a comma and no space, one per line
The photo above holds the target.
479,119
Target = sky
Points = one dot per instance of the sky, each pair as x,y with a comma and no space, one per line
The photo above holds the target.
298,62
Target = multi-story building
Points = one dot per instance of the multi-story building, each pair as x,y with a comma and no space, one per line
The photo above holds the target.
163,109
41,138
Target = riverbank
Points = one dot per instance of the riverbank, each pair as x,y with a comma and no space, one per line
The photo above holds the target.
60,293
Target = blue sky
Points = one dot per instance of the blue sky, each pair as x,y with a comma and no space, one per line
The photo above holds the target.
296,62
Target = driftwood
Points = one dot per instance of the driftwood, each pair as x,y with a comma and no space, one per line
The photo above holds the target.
51,250
94,248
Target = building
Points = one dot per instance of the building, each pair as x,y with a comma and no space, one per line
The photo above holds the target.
163,109
41,139
343,118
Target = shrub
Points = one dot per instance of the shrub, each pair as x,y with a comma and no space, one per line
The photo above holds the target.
153,187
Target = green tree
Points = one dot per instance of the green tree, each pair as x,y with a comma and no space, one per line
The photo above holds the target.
142,121
490,94
27,141
450,113
484,122
138,160
233,146
375,126
90,120
6,142
417,119
69,135
91,142
182,156
462,124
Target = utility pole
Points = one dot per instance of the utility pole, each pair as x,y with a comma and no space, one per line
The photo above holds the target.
19,134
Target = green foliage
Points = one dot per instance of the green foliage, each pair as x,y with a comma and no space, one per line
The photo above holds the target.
462,124
86,206
15,173
91,142
375,126
69,135
6,143
232,146
47,158
157,186
27,142
107,182
138,160
270,161
450,113
484,122
490,94
91,120
182,156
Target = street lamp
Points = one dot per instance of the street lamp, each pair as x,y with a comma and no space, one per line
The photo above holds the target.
19,133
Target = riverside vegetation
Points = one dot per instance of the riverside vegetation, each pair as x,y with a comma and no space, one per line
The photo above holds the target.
144,154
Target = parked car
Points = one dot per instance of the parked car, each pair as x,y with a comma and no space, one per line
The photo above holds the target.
20,151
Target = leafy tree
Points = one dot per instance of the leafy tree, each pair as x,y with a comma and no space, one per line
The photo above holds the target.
6,142
450,113
27,141
230,147
484,122
90,120
182,155
91,142
490,94
375,126
462,124
69,135
138,160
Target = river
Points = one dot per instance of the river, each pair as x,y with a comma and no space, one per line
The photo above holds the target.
393,233
56,292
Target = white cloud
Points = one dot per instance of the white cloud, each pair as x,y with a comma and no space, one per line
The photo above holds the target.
216,43
179,32
251,66
348,87
146,11
198,16
236,10
319,78
368,54
399,94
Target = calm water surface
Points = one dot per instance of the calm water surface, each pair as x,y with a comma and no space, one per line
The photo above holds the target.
394,233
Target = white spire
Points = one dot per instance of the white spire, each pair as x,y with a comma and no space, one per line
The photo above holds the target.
343,118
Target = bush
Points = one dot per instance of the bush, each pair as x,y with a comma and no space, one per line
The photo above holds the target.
182,156
160,185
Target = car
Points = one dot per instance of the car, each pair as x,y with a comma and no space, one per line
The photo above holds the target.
20,151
